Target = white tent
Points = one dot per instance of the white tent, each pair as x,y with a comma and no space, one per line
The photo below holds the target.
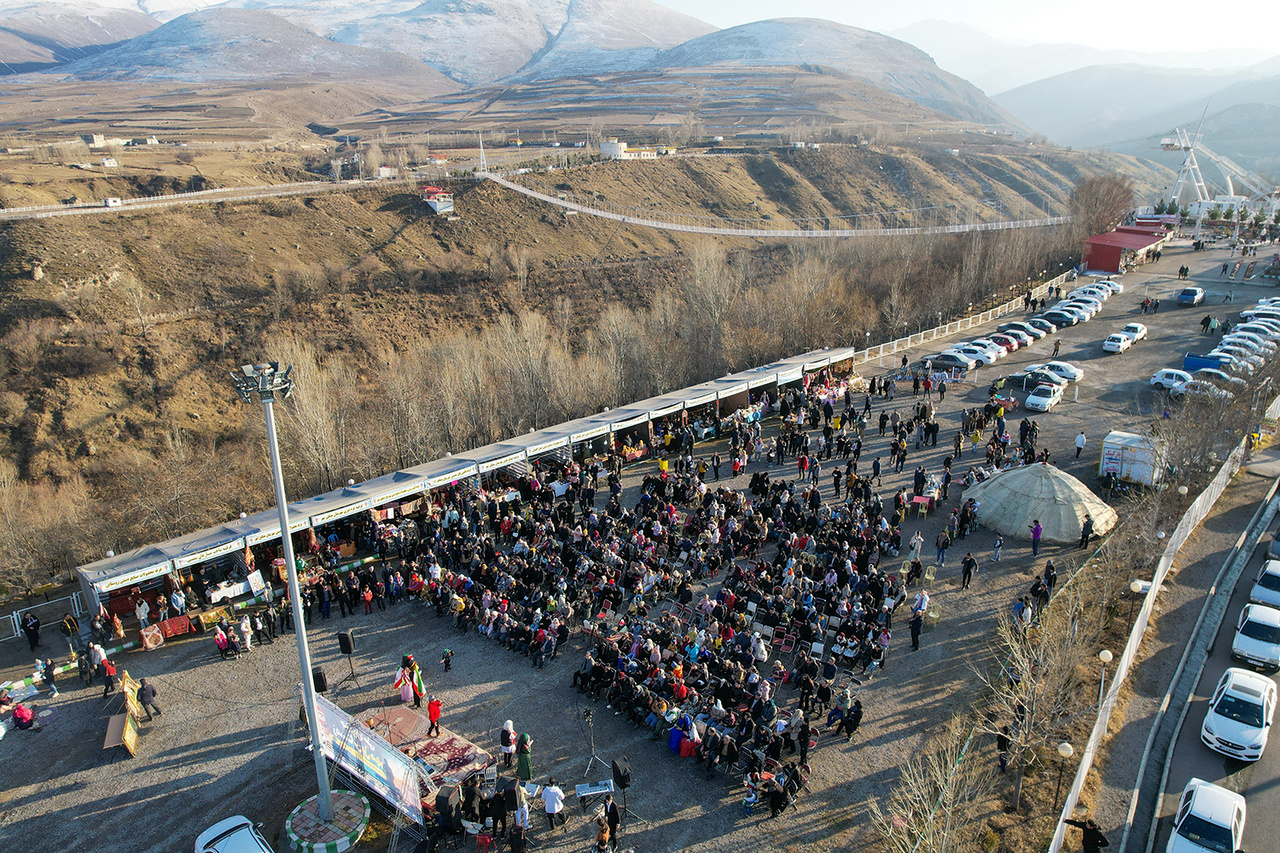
1012,500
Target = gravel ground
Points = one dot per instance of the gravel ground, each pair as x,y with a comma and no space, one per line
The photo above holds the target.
228,741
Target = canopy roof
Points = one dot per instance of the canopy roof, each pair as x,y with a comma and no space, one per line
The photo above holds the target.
1012,500
1125,240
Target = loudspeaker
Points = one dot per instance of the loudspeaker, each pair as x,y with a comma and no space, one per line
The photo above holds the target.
319,680
621,773
449,807
347,642
509,794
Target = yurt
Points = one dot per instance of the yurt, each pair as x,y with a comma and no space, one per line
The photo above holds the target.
1010,501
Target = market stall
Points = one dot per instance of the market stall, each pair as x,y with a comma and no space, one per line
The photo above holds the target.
630,432
700,405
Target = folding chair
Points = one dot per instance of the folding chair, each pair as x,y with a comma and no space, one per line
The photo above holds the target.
491,774
816,650
766,633
922,509
751,609
788,644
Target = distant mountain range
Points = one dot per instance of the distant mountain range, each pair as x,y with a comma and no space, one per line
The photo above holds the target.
995,65
445,45
1129,108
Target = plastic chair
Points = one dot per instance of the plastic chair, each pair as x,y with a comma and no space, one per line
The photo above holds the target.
930,574
485,843
788,644
922,510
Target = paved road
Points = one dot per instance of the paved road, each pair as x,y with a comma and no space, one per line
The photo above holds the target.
1258,781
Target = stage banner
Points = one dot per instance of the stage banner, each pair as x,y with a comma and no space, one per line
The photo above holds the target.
384,769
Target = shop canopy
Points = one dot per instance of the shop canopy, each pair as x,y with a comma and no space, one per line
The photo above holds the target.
392,487
629,417
331,506
492,457
442,472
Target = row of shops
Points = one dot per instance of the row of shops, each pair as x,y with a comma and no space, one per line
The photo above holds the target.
234,559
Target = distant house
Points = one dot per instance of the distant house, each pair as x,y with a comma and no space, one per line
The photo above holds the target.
439,200
109,163
613,149
94,140
438,160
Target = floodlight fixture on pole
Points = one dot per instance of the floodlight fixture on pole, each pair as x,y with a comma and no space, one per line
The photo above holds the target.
266,382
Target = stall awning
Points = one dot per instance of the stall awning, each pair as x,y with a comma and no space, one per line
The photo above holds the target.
491,457
731,389
631,416
586,429
204,545
123,570
442,472
700,395
666,405
330,506
391,487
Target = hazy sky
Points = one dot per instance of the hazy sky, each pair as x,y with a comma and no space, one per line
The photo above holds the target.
1131,24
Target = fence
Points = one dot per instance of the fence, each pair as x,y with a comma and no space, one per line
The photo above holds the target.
1195,514
48,612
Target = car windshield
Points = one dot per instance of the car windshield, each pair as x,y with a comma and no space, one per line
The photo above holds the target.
1188,292
1258,631
1208,835
1240,710
1269,581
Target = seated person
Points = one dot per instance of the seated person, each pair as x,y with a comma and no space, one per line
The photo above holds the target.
24,718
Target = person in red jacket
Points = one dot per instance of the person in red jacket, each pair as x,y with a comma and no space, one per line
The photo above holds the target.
433,714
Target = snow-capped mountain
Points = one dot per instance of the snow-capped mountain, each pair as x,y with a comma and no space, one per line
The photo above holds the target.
219,45
482,41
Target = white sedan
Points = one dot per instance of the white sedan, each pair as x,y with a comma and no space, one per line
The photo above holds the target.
1240,713
1266,589
1117,343
1066,370
1044,397
1170,378
1209,818
990,346
1257,639
1134,331
973,353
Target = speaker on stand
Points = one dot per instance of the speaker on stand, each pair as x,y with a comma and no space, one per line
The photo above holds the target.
622,781
347,645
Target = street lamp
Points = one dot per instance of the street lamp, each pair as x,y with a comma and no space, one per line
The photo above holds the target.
265,381
1105,657
1065,751
1135,587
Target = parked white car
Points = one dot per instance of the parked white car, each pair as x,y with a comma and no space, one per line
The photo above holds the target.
1257,639
1044,397
1240,713
1169,378
1266,589
1114,286
1117,343
990,346
234,835
1209,818
977,354
1066,370
1134,332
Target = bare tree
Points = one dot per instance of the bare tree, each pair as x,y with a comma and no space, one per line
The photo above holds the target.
1100,202
930,809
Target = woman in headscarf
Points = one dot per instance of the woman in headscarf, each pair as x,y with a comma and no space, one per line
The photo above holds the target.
409,681
524,759
508,742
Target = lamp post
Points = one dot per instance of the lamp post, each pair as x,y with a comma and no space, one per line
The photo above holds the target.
1105,657
1135,587
1065,751
265,381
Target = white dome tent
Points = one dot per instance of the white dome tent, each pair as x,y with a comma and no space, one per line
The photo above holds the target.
1010,501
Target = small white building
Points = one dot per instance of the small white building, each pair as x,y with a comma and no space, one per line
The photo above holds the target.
613,149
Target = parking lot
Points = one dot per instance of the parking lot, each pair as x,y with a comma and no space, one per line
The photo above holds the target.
229,743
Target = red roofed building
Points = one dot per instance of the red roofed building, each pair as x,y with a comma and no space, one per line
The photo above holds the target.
1127,244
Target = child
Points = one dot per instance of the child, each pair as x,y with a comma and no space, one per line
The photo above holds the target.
447,660
995,558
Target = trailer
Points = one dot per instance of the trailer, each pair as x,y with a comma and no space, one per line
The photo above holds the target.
1133,458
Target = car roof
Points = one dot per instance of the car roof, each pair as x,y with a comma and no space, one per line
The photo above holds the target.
1271,567
1249,683
1213,803
1046,386
1262,614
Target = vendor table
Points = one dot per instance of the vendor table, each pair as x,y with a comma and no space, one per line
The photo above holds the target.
228,591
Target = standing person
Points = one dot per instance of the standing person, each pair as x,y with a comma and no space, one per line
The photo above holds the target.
1080,441
1093,840
602,835
433,715
109,678
917,625
246,632
850,722
147,698
1086,531
50,673
1057,346
943,542
553,802
71,630
142,611
1050,575
1036,532
31,627
508,739
409,681
524,757
995,557
260,635
447,660
612,817
967,567
1002,748
522,808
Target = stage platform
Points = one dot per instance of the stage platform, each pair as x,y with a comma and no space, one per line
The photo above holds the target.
446,760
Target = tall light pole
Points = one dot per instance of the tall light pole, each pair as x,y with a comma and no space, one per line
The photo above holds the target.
1065,751
1105,657
265,381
